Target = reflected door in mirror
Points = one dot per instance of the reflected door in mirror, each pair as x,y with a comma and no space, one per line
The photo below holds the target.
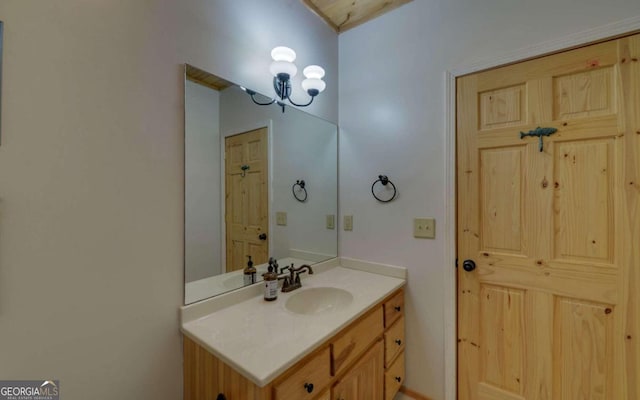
246,198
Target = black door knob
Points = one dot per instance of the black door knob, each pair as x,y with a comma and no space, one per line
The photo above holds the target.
262,236
468,265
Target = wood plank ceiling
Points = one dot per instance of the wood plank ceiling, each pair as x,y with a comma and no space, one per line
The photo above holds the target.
342,15
204,78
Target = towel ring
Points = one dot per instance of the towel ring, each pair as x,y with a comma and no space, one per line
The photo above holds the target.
384,180
301,193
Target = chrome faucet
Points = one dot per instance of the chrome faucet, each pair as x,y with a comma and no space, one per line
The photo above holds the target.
291,281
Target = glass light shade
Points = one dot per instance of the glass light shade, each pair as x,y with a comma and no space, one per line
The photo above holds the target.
313,83
282,53
314,72
283,67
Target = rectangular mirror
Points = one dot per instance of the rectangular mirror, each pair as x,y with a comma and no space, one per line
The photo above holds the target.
244,195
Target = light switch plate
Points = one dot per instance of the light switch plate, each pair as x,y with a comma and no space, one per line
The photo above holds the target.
331,221
348,222
424,228
281,218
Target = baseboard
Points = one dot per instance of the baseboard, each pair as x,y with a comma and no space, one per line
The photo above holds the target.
414,395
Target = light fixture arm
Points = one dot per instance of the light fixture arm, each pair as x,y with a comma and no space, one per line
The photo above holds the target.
252,95
282,86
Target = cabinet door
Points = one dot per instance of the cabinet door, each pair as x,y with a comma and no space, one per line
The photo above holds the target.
349,344
366,379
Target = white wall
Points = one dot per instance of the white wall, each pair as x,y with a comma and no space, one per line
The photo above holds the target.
302,147
202,253
392,122
91,176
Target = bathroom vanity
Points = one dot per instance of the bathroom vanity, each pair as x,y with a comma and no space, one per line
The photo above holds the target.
340,337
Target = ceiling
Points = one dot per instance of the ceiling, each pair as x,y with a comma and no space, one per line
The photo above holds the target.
342,15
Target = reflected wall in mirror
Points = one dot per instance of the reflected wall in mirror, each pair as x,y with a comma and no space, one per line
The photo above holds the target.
242,162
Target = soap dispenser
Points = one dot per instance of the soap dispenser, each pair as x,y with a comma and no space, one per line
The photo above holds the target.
270,284
249,273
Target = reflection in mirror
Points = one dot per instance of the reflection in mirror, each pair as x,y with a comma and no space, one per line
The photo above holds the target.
242,162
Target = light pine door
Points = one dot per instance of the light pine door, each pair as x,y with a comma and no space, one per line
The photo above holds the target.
246,198
551,310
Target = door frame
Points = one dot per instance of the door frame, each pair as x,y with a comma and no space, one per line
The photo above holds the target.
245,127
598,34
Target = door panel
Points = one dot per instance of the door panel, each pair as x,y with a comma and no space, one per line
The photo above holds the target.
502,195
583,351
585,94
584,182
502,107
503,336
551,311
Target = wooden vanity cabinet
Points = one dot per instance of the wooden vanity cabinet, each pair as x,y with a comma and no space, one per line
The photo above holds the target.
363,361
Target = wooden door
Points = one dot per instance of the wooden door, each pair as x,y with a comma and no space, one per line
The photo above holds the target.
551,310
246,198
366,379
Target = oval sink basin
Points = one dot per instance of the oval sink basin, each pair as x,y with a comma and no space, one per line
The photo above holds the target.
319,300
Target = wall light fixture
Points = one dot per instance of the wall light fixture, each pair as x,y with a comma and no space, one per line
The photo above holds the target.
283,69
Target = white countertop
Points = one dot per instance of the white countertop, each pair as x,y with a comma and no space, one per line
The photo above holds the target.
261,339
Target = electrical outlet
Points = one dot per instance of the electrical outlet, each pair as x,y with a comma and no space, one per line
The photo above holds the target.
281,218
424,228
331,221
348,222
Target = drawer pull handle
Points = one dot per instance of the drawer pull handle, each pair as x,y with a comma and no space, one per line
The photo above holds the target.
397,308
398,379
398,342
309,387
221,397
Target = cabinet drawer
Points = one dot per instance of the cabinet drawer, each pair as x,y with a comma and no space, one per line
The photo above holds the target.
393,341
349,344
393,309
308,380
394,377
